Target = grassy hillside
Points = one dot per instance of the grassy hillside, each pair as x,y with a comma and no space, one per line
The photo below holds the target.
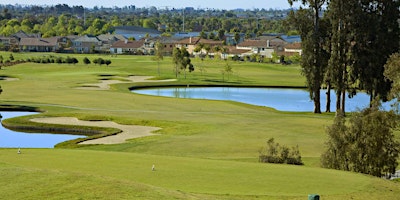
206,150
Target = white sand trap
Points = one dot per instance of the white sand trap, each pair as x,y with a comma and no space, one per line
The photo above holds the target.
105,84
8,79
128,131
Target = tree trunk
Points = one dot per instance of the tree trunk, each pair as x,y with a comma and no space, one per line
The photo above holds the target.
338,102
317,103
158,68
317,88
343,107
328,98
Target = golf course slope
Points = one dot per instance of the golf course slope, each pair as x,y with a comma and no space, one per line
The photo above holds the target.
83,174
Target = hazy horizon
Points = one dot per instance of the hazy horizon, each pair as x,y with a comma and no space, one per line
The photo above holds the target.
203,4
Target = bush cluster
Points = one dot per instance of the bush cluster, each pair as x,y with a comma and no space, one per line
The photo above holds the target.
274,153
53,59
99,61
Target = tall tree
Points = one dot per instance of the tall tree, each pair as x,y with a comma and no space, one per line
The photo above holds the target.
392,73
159,55
177,60
312,67
181,59
338,62
375,36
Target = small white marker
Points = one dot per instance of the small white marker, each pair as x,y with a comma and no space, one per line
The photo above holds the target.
153,168
19,151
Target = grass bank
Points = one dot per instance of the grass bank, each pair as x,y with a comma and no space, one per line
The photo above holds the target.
206,149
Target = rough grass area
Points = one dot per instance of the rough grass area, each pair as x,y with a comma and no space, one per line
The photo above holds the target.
206,149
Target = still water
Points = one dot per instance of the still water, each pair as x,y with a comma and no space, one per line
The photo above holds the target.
282,99
12,139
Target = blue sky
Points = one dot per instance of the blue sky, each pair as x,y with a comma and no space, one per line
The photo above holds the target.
218,4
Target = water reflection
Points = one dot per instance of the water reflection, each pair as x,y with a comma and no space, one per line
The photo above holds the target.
13,139
282,99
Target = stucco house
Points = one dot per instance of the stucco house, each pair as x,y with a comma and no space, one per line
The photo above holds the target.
294,48
86,44
127,47
108,39
39,44
191,43
261,47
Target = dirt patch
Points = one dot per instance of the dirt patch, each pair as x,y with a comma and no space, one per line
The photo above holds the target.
128,131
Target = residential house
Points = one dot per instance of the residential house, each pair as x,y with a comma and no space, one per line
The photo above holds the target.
108,39
274,41
7,42
230,39
233,51
21,34
168,44
191,43
261,47
292,49
12,42
86,44
39,44
128,47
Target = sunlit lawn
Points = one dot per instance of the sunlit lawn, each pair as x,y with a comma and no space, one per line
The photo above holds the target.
206,150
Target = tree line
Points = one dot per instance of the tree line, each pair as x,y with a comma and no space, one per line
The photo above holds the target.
62,20
347,47
352,47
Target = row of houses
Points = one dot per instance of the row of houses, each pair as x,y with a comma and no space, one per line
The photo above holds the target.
265,46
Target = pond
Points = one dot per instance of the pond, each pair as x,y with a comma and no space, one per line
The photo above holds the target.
283,99
13,139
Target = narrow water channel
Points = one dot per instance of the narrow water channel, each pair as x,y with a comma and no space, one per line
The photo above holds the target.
13,139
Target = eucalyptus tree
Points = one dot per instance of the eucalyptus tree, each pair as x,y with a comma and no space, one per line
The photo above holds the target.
176,59
159,55
392,73
182,61
364,34
376,35
312,66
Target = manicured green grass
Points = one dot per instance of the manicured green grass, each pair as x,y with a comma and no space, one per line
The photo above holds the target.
206,150
190,176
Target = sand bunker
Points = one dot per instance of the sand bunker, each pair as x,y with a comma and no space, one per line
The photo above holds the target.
4,78
105,84
128,131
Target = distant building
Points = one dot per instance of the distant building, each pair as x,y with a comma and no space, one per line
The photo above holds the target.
191,43
293,48
136,32
86,44
261,47
108,39
39,44
127,47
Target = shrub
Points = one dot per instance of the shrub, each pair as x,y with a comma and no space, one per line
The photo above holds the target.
274,153
86,60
